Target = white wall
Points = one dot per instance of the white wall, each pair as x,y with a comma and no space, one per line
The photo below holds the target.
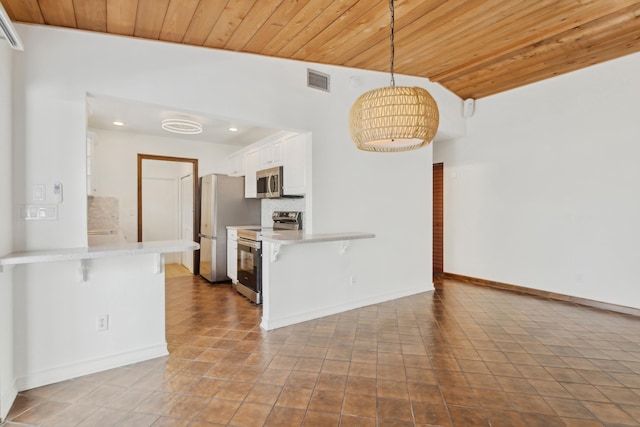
115,167
387,194
543,192
7,386
352,190
56,340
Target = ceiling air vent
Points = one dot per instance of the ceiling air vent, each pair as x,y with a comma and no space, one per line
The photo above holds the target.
317,80
7,30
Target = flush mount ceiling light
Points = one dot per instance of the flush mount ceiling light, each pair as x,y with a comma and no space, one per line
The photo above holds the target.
233,129
393,118
182,126
118,123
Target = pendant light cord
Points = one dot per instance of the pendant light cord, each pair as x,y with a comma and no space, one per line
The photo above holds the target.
391,8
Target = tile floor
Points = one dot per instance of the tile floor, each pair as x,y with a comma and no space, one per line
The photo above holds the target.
463,356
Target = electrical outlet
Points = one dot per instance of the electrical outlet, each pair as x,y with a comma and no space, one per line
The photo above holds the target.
102,322
353,279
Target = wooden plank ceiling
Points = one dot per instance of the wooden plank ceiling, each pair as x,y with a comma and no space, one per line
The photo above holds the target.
475,48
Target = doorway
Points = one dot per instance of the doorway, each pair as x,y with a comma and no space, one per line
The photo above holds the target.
438,219
168,198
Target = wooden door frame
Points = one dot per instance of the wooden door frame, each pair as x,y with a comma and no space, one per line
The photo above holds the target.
438,166
194,166
181,218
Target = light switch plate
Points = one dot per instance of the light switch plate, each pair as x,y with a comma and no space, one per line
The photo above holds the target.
39,212
39,193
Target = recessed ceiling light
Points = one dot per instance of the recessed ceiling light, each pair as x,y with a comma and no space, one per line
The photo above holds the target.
233,129
182,126
118,123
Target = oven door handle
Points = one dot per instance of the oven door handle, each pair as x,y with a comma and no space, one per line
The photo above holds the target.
250,243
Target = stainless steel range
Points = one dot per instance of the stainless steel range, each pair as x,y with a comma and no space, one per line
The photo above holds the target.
250,253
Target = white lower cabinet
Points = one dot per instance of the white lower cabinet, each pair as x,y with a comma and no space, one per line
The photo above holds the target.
232,255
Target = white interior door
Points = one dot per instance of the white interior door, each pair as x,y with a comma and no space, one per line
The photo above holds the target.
186,218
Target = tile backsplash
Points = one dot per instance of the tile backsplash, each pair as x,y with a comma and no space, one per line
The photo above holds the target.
103,220
269,206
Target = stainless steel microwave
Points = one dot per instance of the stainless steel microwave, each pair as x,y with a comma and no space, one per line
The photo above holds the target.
269,183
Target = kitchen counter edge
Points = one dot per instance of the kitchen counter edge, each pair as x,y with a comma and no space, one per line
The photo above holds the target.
243,227
102,251
298,237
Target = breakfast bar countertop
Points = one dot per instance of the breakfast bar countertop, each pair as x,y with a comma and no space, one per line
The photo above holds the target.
93,252
243,227
294,237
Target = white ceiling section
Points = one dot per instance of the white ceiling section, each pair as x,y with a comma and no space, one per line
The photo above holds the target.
142,118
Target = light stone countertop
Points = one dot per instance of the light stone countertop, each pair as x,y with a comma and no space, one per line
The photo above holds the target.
103,251
294,237
243,227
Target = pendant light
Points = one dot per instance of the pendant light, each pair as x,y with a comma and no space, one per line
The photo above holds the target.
393,118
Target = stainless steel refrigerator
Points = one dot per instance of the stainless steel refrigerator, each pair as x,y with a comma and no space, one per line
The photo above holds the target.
222,203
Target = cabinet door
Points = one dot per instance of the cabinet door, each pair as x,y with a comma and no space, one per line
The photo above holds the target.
232,255
295,159
276,153
271,154
251,166
236,164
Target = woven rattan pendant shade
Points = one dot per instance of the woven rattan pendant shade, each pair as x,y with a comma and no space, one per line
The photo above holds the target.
394,118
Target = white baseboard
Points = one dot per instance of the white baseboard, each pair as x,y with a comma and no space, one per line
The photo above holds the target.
269,324
7,397
62,373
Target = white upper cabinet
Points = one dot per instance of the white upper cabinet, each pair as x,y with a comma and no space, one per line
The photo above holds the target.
237,164
291,151
295,152
271,154
251,162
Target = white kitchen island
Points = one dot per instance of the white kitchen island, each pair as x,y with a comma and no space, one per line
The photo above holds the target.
83,310
307,276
